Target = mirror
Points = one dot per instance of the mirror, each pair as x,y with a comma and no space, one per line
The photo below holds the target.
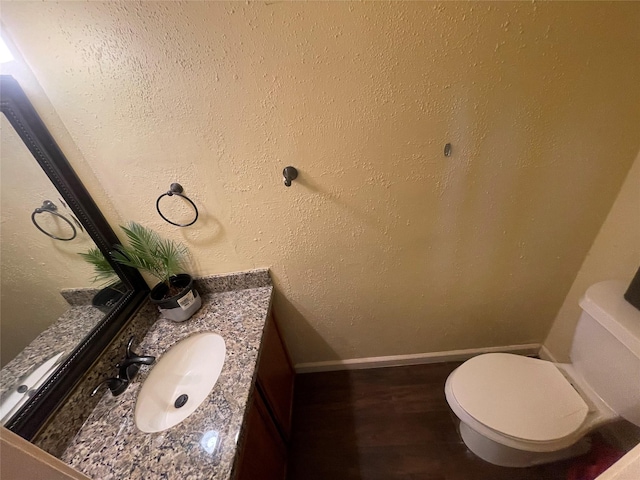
35,269
51,340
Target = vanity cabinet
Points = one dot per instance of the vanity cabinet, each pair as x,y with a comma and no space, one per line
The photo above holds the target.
250,406
276,377
264,453
268,418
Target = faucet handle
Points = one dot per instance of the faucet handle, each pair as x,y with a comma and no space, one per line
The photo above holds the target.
131,355
116,385
144,360
127,370
129,366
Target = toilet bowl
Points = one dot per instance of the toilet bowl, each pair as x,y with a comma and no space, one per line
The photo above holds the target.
518,411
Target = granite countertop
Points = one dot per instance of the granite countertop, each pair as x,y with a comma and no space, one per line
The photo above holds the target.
61,336
109,446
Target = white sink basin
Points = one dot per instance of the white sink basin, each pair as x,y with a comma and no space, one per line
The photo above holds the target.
191,367
27,386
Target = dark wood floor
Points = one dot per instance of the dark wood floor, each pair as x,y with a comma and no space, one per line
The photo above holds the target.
386,423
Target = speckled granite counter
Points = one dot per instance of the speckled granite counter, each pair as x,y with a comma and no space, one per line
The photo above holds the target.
62,336
109,446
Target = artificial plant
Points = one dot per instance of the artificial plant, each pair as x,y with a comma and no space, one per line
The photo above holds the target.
104,273
149,252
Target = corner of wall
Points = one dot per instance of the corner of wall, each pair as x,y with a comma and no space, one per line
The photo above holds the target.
615,253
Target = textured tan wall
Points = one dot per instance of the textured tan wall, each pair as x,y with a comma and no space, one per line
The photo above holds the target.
615,253
31,298
383,246
34,268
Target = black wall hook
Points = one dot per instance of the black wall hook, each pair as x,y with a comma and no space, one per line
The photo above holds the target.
289,174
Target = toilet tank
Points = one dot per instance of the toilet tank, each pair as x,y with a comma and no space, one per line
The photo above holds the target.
606,347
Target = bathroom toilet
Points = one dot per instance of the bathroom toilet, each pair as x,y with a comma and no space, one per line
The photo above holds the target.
517,411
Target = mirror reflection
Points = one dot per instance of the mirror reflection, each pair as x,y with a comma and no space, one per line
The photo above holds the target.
47,288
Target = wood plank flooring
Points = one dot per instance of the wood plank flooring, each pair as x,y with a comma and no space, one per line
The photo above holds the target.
386,423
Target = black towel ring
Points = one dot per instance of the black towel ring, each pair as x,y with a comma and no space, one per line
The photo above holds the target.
176,189
49,207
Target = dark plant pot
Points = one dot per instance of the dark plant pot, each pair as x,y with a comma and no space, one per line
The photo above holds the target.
180,307
106,298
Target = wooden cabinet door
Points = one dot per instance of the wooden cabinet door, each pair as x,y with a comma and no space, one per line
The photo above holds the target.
276,377
264,454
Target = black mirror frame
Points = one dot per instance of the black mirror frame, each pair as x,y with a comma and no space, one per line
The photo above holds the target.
25,120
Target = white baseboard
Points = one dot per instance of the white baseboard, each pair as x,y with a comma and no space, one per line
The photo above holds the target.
412,359
545,354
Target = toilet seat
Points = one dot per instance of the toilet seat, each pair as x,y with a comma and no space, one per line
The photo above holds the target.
521,399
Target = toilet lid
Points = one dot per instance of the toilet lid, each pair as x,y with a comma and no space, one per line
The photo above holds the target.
518,396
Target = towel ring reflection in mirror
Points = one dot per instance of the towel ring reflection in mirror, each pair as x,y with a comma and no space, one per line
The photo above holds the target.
176,189
49,207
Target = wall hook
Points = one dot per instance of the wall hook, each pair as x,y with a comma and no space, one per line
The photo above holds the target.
289,174
447,150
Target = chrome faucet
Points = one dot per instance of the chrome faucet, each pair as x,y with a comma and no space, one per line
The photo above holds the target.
127,370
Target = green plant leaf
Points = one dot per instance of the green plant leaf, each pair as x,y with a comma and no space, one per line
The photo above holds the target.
149,252
102,269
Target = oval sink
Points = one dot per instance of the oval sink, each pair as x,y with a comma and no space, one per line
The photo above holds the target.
180,381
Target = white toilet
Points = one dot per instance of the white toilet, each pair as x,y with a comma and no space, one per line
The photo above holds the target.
518,411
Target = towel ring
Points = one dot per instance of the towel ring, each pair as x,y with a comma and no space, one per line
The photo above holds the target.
176,189
49,207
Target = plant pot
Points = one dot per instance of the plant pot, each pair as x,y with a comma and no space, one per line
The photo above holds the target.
106,298
180,307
